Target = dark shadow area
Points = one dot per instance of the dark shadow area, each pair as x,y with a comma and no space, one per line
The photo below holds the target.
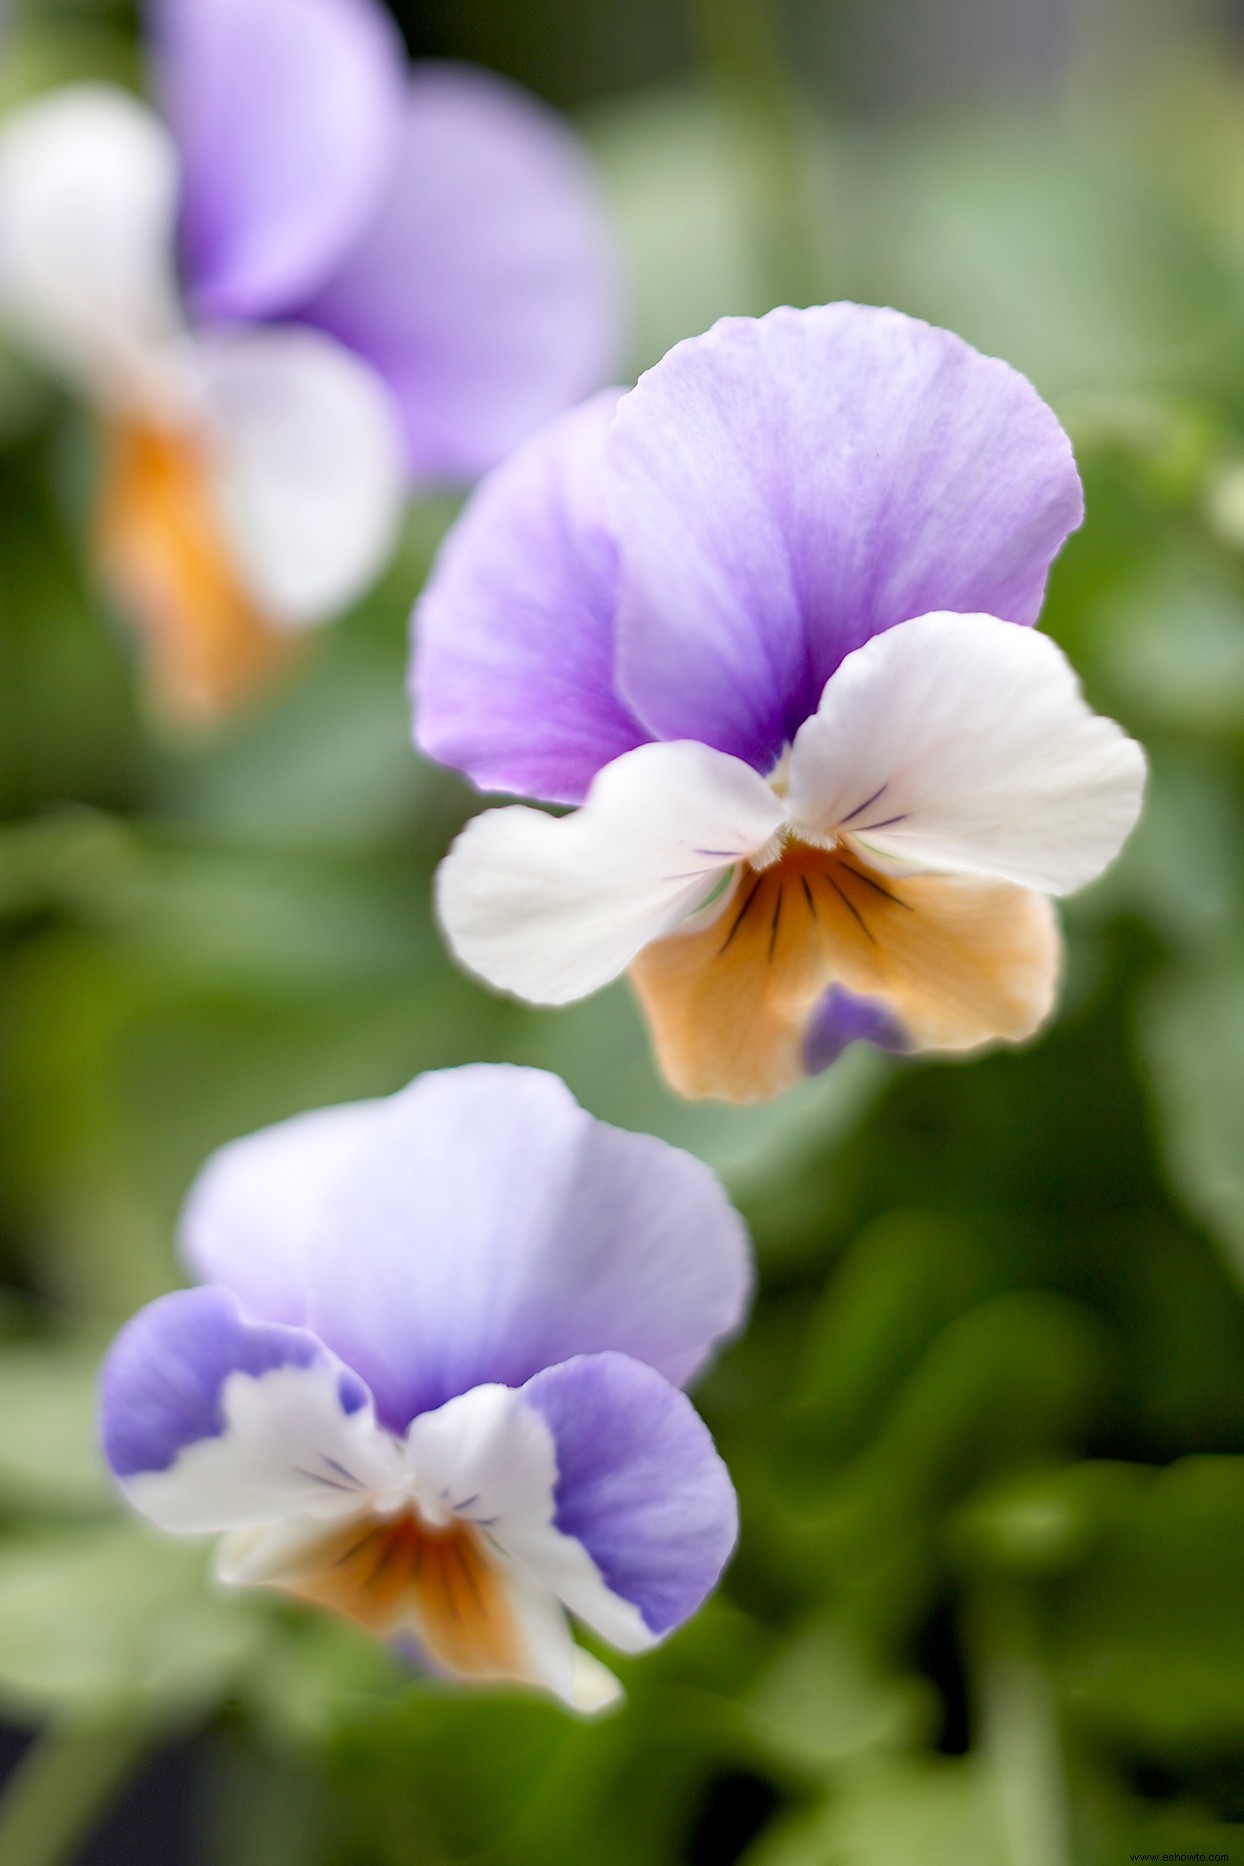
571,58
938,1656
1212,1784
735,1808
149,1824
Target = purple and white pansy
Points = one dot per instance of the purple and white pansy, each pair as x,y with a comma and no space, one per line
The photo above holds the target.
433,1378
316,279
766,620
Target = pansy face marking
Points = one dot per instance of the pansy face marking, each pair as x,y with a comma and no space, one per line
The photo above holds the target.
433,1382
287,299
730,1006
763,620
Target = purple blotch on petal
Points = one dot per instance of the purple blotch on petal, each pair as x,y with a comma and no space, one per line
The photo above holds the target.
842,1018
352,1392
163,1376
640,1483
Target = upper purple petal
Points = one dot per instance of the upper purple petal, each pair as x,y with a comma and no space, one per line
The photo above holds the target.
164,1374
485,1227
513,667
253,1214
485,287
287,114
639,1483
493,1228
789,487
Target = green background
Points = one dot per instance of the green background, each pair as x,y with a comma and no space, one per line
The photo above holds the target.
988,1421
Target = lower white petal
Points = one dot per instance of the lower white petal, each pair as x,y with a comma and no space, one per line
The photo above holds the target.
959,743
88,204
551,908
594,1687
469,1611
454,1547
260,1556
311,473
490,1458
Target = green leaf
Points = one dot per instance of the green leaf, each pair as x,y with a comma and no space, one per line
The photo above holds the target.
823,1701
674,189
1188,678
1150,1631
1045,241
320,1676
114,1621
1192,1035
1042,1522
601,1048
49,1457
896,1812
902,1279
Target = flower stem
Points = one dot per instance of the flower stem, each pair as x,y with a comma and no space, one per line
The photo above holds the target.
62,1783
740,43
1020,1736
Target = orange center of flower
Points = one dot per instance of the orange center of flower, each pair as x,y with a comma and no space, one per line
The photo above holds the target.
959,962
162,550
399,1574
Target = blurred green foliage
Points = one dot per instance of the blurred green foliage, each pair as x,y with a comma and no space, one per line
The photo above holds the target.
988,1421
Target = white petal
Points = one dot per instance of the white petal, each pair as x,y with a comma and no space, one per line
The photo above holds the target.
528,1624
88,202
594,1688
486,1456
962,744
311,471
490,1458
267,1552
289,1449
551,908
550,1656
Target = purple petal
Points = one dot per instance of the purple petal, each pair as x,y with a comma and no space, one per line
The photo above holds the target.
254,1211
639,1483
163,1377
513,669
842,1018
788,488
288,116
487,1227
486,287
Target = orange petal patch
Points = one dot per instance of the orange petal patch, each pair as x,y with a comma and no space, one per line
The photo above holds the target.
398,1575
161,550
959,961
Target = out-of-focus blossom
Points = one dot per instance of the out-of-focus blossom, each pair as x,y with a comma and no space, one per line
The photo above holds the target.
758,619
433,1383
438,220
318,280
251,478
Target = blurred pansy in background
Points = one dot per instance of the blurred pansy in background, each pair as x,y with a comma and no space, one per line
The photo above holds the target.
756,619
433,1380
320,280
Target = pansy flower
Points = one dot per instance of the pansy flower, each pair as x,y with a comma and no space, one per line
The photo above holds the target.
433,1381
763,620
317,279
